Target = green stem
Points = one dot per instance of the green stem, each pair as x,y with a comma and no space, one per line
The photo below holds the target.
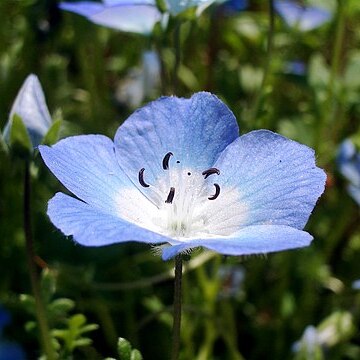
270,45
34,278
177,308
329,109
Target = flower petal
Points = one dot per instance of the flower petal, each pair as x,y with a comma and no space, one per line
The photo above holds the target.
305,18
93,227
277,180
84,8
87,166
260,239
30,105
133,16
195,130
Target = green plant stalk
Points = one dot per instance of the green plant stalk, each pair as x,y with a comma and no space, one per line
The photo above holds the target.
177,308
335,63
329,108
34,278
177,50
270,46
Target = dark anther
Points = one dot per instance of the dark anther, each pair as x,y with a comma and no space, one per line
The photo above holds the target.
217,192
189,173
210,171
171,195
166,160
178,162
141,178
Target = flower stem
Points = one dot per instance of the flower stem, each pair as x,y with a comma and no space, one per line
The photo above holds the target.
270,42
34,278
177,308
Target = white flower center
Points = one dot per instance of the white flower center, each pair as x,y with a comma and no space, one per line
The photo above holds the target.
183,203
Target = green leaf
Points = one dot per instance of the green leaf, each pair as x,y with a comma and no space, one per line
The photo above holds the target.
52,136
19,139
48,285
136,355
61,306
124,349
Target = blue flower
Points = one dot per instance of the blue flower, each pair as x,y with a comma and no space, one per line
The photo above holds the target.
349,165
31,107
5,318
178,173
140,83
8,350
11,351
295,67
298,16
233,6
138,16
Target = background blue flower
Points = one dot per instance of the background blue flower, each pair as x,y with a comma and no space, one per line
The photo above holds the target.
304,18
30,106
349,166
136,16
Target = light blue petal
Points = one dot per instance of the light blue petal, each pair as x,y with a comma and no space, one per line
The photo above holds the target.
304,18
195,130
250,240
354,192
30,105
84,8
87,166
129,2
132,16
349,162
313,18
92,227
277,178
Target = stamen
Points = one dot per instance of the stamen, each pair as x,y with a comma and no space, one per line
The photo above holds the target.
165,162
217,192
141,178
210,171
171,195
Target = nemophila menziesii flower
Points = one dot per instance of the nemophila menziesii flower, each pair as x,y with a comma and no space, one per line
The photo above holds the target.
178,173
137,16
304,18
349,165
31,107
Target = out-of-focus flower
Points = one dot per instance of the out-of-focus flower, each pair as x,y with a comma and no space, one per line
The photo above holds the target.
141,83
295,68
356,284
4,318
304,18
230,7
348,160
309,346
30,107
8,350
178,173
137,16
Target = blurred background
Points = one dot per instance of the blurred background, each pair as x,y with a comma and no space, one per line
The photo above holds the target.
295,71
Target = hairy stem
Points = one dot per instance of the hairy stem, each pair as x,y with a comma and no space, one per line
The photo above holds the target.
34,278
177,308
